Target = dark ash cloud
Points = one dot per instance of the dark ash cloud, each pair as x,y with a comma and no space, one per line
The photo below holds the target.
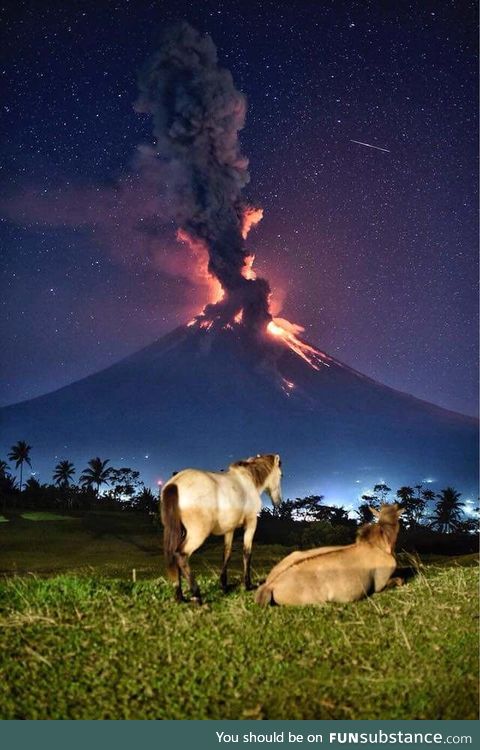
197,115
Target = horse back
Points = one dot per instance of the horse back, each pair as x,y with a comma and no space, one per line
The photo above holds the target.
218,501
193,485
297,557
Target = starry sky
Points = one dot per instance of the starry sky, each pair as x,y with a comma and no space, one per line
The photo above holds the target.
373,252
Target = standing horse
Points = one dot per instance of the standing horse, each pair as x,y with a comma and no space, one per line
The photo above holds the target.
197,503
338,574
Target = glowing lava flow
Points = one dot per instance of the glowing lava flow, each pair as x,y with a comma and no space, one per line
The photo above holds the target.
287,332
282,329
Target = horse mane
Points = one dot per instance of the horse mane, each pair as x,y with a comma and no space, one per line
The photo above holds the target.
259,467
369,532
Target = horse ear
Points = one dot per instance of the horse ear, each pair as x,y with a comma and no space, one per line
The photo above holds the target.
277,459
374,512
400,510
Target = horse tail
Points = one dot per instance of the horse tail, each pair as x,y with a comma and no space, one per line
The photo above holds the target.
173,529
264,595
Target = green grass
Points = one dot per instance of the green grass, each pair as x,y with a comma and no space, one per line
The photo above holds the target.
80,640
44,516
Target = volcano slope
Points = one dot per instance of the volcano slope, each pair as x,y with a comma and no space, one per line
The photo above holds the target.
204,396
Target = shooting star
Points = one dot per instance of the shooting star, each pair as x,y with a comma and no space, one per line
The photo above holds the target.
369,145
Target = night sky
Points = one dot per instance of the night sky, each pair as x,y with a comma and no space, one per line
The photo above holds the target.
374,252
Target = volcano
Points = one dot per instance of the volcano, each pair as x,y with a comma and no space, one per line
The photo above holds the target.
235,381
205,395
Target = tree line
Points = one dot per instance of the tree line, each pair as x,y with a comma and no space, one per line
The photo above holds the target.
442,512
125,488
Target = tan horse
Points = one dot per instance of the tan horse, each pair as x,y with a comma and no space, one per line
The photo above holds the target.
337,574
197,503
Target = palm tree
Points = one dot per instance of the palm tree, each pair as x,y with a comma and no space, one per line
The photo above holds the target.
405,494
428,495
428,498
4,468
96,473
63,473
448,511
413,505
20,453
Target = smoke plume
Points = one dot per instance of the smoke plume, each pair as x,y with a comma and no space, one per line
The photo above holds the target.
197,115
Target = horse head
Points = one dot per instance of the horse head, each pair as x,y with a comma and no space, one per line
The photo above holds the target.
388,514
266,473
387,526
273,485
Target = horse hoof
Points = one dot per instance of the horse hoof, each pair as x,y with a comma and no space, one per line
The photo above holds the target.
197,601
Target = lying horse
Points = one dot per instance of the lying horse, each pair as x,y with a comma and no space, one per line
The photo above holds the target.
337,574
196,503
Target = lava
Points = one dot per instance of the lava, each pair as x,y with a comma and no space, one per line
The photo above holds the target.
287,386
205,324
287,332
280,328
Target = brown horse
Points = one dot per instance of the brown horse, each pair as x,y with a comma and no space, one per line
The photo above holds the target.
337,574
197,503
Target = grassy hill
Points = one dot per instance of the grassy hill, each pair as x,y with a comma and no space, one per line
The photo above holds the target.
81,640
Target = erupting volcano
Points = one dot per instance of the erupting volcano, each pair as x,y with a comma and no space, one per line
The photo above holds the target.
197,114
235,380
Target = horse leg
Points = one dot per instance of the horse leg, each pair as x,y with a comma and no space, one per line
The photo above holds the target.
182,561
179,597
191,542
227,552
247,553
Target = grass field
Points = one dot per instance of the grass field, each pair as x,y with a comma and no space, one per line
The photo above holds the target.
81,640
